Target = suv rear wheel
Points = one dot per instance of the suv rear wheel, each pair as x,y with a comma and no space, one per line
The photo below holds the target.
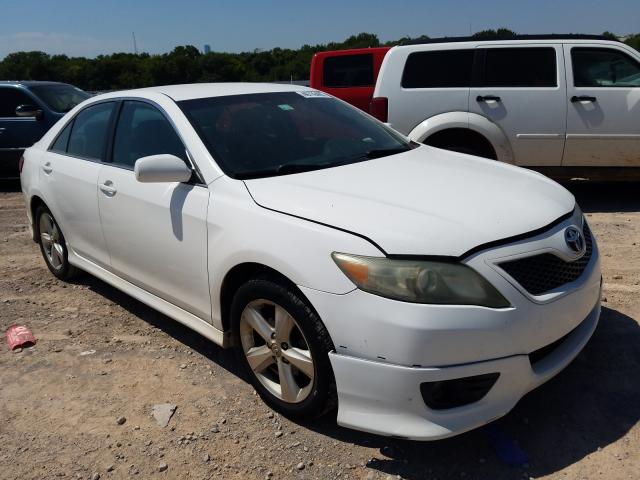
462,140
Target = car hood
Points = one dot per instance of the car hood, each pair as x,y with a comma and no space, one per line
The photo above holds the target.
426,201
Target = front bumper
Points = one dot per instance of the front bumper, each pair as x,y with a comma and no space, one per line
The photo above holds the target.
386,349
385,399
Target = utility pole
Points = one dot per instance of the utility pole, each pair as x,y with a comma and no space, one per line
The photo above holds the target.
135,45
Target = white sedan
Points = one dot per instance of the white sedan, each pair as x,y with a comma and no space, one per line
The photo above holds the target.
422,291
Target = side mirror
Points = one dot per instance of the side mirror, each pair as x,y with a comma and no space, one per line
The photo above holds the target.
29,111
162,168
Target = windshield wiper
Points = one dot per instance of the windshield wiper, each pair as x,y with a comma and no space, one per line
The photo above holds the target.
299,168
383,152
284,169
288,168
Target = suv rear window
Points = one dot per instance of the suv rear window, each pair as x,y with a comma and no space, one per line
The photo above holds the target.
348,71
438,69
520,67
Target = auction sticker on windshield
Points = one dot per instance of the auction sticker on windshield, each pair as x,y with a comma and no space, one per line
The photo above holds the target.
313,94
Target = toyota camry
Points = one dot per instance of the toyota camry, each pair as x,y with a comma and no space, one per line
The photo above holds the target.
422,292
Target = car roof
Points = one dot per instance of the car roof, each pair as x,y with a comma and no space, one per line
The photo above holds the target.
502,38
192,91
350,51
29,83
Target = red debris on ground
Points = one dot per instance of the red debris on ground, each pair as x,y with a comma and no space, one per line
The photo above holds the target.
19,336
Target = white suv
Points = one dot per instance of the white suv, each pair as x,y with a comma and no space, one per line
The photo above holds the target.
542,102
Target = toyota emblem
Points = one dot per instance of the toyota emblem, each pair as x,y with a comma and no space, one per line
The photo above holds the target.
575,240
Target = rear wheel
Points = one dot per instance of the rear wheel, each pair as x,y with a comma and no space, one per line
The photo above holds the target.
464,141
53,245
283,347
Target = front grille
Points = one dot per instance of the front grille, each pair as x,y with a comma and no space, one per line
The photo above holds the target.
542,273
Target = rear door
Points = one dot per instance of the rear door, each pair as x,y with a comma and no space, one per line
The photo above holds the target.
69,175
16,133
156,233
603,101
522,89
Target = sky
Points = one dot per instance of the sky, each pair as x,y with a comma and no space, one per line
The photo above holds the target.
89,28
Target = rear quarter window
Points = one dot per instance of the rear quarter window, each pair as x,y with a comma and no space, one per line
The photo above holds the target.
348,71
60,144
438,69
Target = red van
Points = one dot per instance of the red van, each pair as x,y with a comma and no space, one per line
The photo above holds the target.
348,74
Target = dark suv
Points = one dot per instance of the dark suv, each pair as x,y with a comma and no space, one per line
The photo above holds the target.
27,110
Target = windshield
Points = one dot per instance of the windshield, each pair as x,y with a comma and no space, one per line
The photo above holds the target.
268,134
60,97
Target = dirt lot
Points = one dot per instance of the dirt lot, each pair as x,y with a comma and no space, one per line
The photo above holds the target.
59,400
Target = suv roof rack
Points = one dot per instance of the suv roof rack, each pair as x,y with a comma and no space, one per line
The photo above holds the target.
550,36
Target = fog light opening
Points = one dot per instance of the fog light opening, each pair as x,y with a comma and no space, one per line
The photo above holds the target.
457,392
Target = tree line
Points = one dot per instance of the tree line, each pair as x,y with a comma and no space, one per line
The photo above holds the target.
186,64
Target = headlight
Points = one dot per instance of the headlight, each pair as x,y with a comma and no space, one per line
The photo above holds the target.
447,283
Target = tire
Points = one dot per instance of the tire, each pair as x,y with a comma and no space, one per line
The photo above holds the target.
53,245
309,390
463,141
466,149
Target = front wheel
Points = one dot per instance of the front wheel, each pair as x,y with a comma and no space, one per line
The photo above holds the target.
284,348
53,245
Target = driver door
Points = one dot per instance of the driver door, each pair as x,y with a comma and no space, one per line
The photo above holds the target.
156,233
603,107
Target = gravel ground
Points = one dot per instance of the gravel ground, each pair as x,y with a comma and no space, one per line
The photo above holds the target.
102,355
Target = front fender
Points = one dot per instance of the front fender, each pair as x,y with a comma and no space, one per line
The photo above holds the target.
240,231
472,121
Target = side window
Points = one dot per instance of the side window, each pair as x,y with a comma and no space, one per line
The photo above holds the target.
520,67
348,71
89,131
438,69
10,99
60,145
604,67
142,131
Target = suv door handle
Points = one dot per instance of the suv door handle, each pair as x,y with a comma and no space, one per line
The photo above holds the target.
582,98
108,189
46,168
487,98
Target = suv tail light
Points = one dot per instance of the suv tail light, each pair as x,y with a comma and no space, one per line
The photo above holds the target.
379,108
20,164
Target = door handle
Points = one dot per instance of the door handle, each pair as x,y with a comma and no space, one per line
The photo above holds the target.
46,168
2,130
582,98
487,98
108,188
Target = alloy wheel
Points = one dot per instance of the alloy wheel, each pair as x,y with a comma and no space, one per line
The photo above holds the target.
51,241
277,351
